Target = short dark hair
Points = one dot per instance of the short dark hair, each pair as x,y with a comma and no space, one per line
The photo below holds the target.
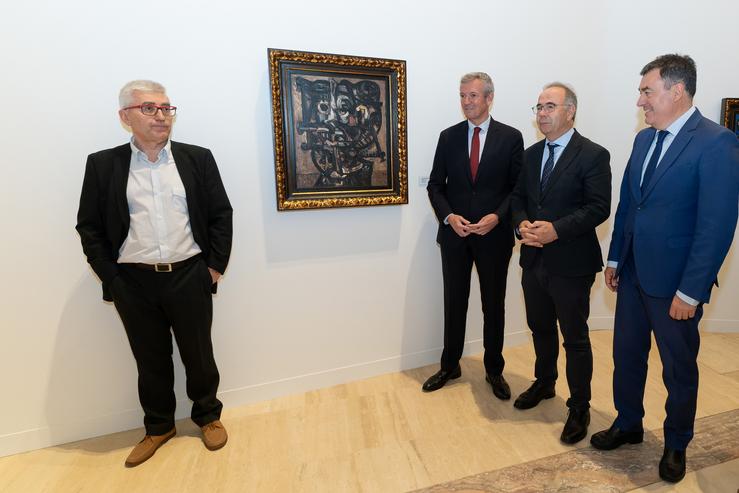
674,68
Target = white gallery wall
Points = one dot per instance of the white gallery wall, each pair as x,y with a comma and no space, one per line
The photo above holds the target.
311,298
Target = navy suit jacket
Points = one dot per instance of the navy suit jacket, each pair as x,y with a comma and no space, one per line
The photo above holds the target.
681,227
103,218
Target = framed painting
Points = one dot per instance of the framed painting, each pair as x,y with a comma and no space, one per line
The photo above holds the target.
339,127
730,114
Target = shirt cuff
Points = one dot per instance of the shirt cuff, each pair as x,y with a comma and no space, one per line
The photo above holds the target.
446,219
612,264
687,299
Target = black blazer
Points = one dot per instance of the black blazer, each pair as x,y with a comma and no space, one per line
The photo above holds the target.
577,198
103,218
451,189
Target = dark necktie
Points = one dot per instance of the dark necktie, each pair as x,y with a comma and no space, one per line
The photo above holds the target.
652,165
548,166
475,153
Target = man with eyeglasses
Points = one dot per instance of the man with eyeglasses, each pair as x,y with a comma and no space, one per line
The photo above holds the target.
563,193
155,224
474,171
673,227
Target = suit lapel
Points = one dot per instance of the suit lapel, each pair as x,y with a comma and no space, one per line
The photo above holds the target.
184,167
463,150
638,156
564,161
678,144
534,184
487,149
187,171
121,167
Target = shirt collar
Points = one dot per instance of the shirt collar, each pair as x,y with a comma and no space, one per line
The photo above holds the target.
678,124
563,139
483,126
141,155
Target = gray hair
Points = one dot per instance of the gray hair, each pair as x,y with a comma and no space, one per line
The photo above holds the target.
570,96
488,86
125,97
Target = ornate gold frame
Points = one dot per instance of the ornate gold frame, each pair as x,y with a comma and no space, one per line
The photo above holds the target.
730,114
284,68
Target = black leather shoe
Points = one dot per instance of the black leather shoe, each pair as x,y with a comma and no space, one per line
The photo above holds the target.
672,465
440,378
613,438
576,427
500,387
534,395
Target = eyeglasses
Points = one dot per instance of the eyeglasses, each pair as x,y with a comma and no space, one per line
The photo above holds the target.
150,109
547,107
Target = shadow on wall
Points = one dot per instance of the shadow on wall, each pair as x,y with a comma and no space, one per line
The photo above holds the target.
316,234
423,325
92,387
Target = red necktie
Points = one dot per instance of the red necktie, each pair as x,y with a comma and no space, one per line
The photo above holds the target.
475,153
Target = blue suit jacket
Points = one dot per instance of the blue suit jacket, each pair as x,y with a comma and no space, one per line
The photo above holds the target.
682,226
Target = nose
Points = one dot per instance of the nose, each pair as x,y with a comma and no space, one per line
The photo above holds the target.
641,101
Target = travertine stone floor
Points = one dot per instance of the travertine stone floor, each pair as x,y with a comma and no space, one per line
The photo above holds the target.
588,470
384,435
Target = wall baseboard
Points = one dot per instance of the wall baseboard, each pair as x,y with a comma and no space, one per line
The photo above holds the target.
59,433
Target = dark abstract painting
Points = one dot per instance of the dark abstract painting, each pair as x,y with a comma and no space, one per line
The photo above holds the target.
339,130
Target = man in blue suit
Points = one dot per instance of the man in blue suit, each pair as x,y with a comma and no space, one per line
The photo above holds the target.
673,228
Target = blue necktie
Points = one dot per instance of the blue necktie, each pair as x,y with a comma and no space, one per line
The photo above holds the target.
652,165
548,166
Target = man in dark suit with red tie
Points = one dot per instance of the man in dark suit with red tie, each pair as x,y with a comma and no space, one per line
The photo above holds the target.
562,195
475,169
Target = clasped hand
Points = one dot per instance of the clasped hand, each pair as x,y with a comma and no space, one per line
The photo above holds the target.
463,227
536,234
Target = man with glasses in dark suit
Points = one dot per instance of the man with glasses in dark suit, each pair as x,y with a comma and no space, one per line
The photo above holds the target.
155,224
562,195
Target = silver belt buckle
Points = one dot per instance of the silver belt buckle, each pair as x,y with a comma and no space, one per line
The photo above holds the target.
162,267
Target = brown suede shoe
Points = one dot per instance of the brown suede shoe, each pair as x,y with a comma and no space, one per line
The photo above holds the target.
147,447
214,435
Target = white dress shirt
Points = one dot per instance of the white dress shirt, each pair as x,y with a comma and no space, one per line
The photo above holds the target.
561,142
160,229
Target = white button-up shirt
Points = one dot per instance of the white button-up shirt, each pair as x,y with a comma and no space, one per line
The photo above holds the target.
160,229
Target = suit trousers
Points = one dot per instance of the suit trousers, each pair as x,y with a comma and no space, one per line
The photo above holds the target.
549,299
491,259
151,304
678,341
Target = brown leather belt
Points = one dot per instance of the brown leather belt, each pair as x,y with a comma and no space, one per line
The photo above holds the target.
167,267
